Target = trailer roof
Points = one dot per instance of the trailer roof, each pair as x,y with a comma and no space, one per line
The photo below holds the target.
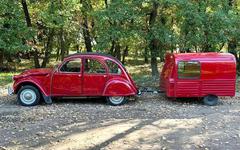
214,56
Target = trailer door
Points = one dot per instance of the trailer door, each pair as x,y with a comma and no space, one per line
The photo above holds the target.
188,79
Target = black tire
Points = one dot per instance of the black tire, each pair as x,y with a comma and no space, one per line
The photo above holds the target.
116,103
210,100
31,89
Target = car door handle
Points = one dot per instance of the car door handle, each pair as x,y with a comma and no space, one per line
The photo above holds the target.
104,76
79,75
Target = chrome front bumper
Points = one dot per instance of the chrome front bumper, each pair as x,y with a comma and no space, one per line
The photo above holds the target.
10,91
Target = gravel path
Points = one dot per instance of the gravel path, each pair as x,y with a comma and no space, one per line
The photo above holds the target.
150,122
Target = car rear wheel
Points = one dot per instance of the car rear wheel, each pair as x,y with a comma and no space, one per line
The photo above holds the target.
210,100
116,100
28,96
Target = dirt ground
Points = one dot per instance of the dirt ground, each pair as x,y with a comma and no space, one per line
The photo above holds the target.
150,122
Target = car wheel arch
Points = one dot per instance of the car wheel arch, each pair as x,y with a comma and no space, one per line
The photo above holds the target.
114,82
24,83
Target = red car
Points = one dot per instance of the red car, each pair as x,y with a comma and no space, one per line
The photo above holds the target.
79,75
206,75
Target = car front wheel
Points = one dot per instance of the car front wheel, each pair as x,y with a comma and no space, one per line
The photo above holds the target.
116,100
28,96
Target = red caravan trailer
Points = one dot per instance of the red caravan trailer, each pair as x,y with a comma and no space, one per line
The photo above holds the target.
207,75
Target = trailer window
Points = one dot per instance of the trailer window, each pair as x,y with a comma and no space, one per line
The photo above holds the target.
188,70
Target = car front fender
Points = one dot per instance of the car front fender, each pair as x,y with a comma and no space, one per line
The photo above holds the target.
18,85
119,88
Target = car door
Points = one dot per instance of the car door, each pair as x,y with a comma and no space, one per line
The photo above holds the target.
94,77
188,79
67,80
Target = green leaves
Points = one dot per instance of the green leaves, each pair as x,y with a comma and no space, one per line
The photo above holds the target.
13,29
179,24
184,24
119,22
204,24
59,14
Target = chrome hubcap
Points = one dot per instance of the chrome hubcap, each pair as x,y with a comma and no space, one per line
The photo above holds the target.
116,99
28,96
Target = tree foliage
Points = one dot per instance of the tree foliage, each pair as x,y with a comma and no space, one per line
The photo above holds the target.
13,30
141,28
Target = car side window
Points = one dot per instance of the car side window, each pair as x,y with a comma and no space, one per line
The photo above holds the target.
189,70
93,66
113,67
73,65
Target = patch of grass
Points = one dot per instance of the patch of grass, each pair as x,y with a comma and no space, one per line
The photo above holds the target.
6,78
141,73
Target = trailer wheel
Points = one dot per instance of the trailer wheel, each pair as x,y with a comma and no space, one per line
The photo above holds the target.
210,100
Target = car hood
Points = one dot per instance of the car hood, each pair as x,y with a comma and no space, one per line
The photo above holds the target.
34,72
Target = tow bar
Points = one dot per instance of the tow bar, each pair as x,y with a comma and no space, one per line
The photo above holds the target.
147,90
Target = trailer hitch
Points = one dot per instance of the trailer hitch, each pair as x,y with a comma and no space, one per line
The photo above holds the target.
147,90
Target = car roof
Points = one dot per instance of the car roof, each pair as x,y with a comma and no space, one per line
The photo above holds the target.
104,55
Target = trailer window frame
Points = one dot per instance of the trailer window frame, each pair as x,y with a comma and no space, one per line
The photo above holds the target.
180,74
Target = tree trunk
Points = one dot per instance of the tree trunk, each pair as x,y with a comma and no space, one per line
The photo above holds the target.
146,55
86,32
117,52
26,12
125,53
154,67
35,58
86,35
161,55
232,48
58,54
1,59
112,47
230,3
238,62
232,44
62,44
8,58
172,31
29,24
48,48
67,45
106,3
154,42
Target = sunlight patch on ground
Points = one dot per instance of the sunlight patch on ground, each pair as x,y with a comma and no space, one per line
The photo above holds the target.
92,137
128,134
158,134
